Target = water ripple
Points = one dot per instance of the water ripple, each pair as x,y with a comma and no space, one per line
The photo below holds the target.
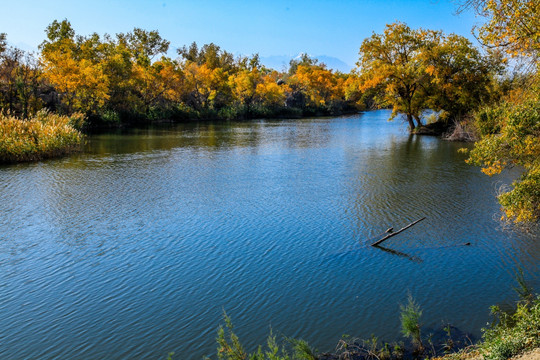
134,248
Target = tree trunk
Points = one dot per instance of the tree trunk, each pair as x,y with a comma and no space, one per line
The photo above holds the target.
411,123
418,121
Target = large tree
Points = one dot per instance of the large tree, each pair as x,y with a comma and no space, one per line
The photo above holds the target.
416,70
461,78
392,62
73,66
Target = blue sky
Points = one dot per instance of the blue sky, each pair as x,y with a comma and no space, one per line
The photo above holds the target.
317,27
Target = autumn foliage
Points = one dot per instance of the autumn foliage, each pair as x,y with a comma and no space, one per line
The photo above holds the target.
128,78
510,129
414,70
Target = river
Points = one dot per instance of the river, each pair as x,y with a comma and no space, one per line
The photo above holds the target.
134,247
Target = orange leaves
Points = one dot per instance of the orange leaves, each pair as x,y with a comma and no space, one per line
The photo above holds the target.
494,168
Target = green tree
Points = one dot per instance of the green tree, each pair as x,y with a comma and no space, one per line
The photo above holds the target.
410,322
416,70
20,81
210,54
461,78
511,130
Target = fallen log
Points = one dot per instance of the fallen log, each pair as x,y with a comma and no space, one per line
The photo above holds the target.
397,232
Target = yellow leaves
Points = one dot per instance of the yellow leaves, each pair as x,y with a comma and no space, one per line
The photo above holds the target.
82,82
244,84
512,24
319,83
494,168
270,93
430,69
516,143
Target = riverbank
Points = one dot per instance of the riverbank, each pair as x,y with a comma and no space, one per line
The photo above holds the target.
513,334
48,135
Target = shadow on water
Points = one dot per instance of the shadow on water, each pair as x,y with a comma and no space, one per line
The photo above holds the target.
412,258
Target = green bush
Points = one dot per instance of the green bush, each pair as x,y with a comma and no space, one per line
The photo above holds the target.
488,119
512,334
410,322
230,347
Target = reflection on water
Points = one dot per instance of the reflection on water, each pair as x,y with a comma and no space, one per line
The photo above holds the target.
134,247
399,253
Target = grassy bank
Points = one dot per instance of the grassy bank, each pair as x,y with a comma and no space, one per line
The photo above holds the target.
42,136
510,334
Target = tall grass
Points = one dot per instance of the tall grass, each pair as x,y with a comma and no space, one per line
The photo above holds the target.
44,135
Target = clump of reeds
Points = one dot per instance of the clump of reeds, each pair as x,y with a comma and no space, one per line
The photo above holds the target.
44,135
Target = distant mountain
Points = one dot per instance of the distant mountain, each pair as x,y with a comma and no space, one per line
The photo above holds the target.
335,63
281,62
276,62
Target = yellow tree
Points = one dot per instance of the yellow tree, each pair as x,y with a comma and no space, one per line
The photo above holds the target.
81,84
72,67
244,86
157,82
271,94
351,90
140,82
205,86
319,84
391,61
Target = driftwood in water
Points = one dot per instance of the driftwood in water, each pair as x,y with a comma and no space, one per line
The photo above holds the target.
397,232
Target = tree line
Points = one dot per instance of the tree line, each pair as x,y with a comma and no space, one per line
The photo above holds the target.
128,78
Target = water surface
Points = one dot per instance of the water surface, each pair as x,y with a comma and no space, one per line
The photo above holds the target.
133,248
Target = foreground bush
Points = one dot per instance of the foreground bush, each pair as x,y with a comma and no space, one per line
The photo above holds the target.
513,334
43,136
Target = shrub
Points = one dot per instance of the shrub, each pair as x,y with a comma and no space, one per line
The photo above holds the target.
512,334
43,136
410,322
